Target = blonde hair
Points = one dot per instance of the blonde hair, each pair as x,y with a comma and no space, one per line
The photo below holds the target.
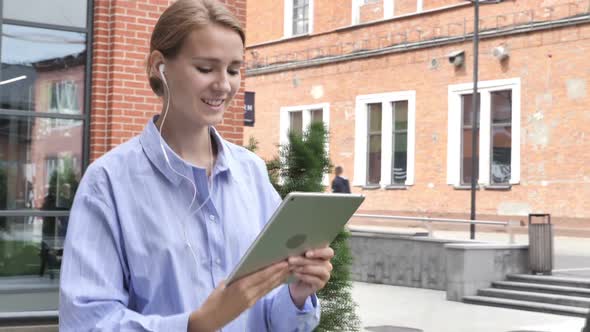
178,21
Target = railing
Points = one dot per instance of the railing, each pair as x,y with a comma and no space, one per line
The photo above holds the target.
508,225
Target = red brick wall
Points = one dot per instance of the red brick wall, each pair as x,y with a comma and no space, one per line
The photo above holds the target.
555,150
334,14
403,7
267,17
122,100
372,11
432,4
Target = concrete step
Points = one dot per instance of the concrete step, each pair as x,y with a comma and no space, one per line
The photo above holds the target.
28,293
542,288
30,328
564,300
550,280
30,318
527,305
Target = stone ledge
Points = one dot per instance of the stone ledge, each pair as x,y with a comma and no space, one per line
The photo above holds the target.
484,246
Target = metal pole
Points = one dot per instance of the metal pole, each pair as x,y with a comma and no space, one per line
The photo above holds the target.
475,117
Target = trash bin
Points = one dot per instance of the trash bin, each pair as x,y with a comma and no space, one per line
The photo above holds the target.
541,244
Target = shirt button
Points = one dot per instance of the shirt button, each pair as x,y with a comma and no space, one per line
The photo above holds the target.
211,217
218,261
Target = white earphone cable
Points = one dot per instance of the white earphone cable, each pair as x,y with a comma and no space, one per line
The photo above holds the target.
195,191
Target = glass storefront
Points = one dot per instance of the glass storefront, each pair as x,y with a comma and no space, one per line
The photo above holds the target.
44,91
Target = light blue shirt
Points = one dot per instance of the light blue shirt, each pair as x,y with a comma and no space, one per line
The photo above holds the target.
126,263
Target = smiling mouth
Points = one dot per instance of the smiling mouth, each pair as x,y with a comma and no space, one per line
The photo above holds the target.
213,102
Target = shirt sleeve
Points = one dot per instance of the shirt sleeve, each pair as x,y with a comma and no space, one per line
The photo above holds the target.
283,315
93,284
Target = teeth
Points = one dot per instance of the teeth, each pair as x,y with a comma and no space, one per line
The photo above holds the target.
213,102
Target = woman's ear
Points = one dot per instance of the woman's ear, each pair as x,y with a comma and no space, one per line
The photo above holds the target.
155,75
156,59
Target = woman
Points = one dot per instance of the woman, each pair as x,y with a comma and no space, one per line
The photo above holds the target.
161,220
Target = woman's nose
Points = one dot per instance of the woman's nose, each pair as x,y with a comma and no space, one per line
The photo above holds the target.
222,83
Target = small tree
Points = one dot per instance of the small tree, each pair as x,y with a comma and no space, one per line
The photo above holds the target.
301,167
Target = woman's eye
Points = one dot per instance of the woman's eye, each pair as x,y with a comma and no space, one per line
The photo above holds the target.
204,70
233,72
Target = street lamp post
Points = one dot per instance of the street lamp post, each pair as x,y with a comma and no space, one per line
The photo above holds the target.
475,117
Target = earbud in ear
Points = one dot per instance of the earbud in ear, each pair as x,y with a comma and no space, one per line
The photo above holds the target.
161,68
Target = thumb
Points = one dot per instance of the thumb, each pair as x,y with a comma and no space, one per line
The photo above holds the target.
222,284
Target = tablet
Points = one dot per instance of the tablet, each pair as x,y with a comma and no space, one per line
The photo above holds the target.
302,222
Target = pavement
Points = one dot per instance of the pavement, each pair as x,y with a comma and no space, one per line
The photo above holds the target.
384,308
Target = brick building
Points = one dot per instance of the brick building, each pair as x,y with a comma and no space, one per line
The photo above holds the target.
392,79
72,86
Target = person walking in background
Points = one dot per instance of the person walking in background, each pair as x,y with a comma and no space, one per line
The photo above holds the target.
340,184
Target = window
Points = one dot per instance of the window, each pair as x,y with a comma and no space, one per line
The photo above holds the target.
374,143
386,7
400,143
501,108
385,139
298,119
296,122
71,13
467,154
44,87
298,17
497,134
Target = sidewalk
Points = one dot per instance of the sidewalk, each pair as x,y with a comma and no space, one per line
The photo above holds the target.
383,308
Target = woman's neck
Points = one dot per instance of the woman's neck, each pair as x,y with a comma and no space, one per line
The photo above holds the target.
192,143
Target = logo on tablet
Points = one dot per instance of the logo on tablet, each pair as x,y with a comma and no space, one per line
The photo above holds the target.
296,240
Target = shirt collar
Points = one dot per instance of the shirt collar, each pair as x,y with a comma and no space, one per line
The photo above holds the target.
178,168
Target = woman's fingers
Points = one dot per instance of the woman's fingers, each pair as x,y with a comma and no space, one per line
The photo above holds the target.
258,284
321,253
301,261
321,271
312,281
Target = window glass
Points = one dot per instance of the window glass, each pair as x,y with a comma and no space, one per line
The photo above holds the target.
296,122
501,112
467,171
374,141
317,115
40,162
42,70
58,12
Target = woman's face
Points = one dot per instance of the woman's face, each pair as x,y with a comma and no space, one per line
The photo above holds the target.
205,76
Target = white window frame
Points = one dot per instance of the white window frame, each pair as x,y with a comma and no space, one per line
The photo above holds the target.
288,21
284,119
361,133
388,10
454,129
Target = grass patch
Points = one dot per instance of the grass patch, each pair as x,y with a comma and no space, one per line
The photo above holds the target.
18,258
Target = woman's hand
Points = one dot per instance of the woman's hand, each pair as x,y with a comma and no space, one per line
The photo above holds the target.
227,302
312,271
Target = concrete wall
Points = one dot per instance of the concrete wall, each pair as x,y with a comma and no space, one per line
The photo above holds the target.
459,267
399,260
474,266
